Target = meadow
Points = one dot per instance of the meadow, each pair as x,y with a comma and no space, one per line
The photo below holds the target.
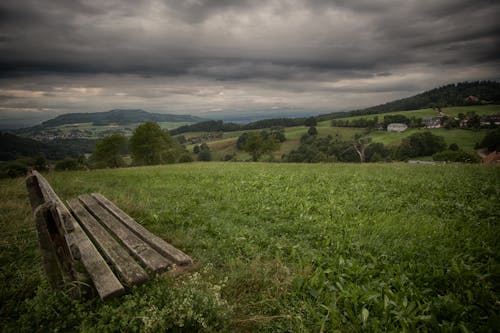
279,248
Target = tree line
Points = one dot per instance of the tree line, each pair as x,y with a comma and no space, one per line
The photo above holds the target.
221,126
314,149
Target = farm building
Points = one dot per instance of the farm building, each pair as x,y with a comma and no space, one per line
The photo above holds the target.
431,122
491,120
397,127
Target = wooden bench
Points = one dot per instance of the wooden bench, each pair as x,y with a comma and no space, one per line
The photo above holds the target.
91,232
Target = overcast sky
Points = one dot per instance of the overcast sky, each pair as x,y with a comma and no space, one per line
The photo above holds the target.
210,57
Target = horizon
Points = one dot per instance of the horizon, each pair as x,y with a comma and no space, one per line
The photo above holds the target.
238,59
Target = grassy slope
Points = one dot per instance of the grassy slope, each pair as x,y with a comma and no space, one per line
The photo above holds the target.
281,247
465,139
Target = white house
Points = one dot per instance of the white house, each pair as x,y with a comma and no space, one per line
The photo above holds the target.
397,127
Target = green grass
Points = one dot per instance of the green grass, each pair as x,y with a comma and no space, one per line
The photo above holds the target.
280,247
465,139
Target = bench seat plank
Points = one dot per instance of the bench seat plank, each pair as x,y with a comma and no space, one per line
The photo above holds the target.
139,249
166,249
130,271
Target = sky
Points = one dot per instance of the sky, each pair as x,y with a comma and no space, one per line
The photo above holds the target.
221,58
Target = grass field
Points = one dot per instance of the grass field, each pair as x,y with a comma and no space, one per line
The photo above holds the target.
280,248
465,139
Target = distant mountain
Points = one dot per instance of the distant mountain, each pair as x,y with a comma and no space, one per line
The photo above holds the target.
457,94
118,116
13,146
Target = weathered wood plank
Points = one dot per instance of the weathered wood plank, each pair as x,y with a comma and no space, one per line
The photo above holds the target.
164,248
139,249
47,249
105,281
78,244
131,272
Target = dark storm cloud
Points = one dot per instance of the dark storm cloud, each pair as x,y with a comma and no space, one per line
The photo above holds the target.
276,52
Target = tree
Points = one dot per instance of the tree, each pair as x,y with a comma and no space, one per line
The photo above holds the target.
204,154
359,144
491,140
279,133
311,121
242,140
376,152
259,144
151,145
312,131
196,149
108,152
420,144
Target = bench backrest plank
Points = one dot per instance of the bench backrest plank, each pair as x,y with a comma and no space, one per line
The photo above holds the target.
77,243
175,255
139,249
128,269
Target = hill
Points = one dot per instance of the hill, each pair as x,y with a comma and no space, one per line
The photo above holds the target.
13,146
119,117
221,126
280,248
456,94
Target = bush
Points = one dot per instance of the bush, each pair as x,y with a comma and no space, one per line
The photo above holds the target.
377,152
185,158
204,155
68,164
312,131
13,169
420,144
491,140
456,156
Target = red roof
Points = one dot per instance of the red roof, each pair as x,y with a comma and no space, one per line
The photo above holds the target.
493,157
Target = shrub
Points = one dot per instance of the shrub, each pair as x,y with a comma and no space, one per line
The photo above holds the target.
13,169
185,158
491,140
67,164
456,156
420,144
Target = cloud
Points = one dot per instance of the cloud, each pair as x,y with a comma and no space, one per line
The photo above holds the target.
175,55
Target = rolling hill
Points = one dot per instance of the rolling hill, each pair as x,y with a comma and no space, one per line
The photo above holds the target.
456,94
13,146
